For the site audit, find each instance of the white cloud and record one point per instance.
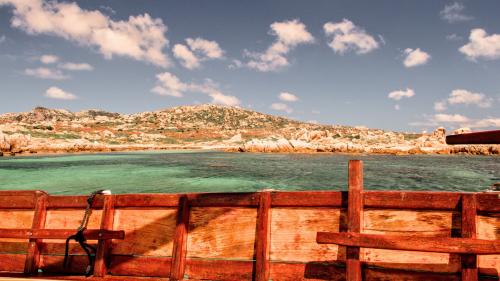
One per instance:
(453, 13)
(397, 95)
(168, 84)
(454, 37)
(345, 37)
(49, 59)
(285, 96)
(196, 51)
(289, 35)
(486, 123)
(46, 73)
(461, 96)
(481, 45)
(57, 93)
(140, 37)
(281, 107)
(415, 57)
(450, 118)
(440, 105)
(2, 39)
(76, 66)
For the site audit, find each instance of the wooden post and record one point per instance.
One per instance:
(104, 246)
(261, 272)
(180, 240)
(33, 256)
(469, 261)
(354, 217)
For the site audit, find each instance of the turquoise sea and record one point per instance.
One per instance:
(211, 171)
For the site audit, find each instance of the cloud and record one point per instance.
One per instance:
(397, 107)
(397, 95)
(289, 34)
(450, 118)
(196, 51)
(2, 39)
(76, 66)
(440, 105)
(140, 37)
(454, 37)
(281, 107)
(461, 96)
(415, 57)
(56, 93)
(485, 123)
(481, 45)
(285, 96)
(45, 73)
(345, 37)
(168, 84)
(49, 59)
(453, 13)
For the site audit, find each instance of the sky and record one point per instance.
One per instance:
(395, 65)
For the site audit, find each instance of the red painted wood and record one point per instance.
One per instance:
(33, 255)
(73, 202)
(488, 202)
(140, 266)
(261, 272)
(412, 243)
(103, 246)
(417, 200)
(282, 271)
(223, 199)
(354, 217)
(308, 198)
(180, 240)
(485, 137)
(469, 261)
(221, 270)
(24, 200)
(12, 262)
(147, 200)
(90, 234)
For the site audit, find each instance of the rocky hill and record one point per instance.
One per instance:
(44, 130)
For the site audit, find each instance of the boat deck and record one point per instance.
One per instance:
(268, 235)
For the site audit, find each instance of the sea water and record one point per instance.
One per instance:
(212, 171)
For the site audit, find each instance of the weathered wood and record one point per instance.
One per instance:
(222, 232)
(221, 270)
(412, 243)
(469, 261)
(33, 256)
(261, 272)
(282, 271)
(180, 240)
(90, 234)
(17, 201)
(146, 200)
(485, 137)
(418, 200)
(140, 266)
(488, 202)
(354, 218)
(293, 232)
(12, 262)
(103, 247)
(308, 199)
(73, 202)
(224, 199)
(488, 227)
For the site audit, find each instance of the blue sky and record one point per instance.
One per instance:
(399, 65)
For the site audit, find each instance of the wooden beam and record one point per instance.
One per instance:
(354, 218)
(485, 137)
(308, 198)
(469, 261)
(146, 200)
(179, 249)
(412, 243)
(244, 199)
(33, 255)
(103, 246)
(73, 202)
(488, 201)
(415, 200)
(90, 234)
(21, 201)
(262, 242)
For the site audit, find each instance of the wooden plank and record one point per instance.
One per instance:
(146, 200)
(488, 227)
(412, 243)
(12, 219)
(293, 232)
(103, 247)
(354, 218)
(311, 271)
(308, 198)
(484, 137)
(12, 262)
(148, 232)
(73, 202)
(140, 266)
(261, 272)
(221, 270)
(90, 234)
(488, 201)
(17, 201)
(405, 275)
(212, 232)
(223, 199)
(469, 261)
(178, 266)
(33, 255)
(418, 200)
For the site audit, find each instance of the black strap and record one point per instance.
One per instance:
(80, 237)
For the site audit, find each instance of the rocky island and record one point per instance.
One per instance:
(44, 130)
